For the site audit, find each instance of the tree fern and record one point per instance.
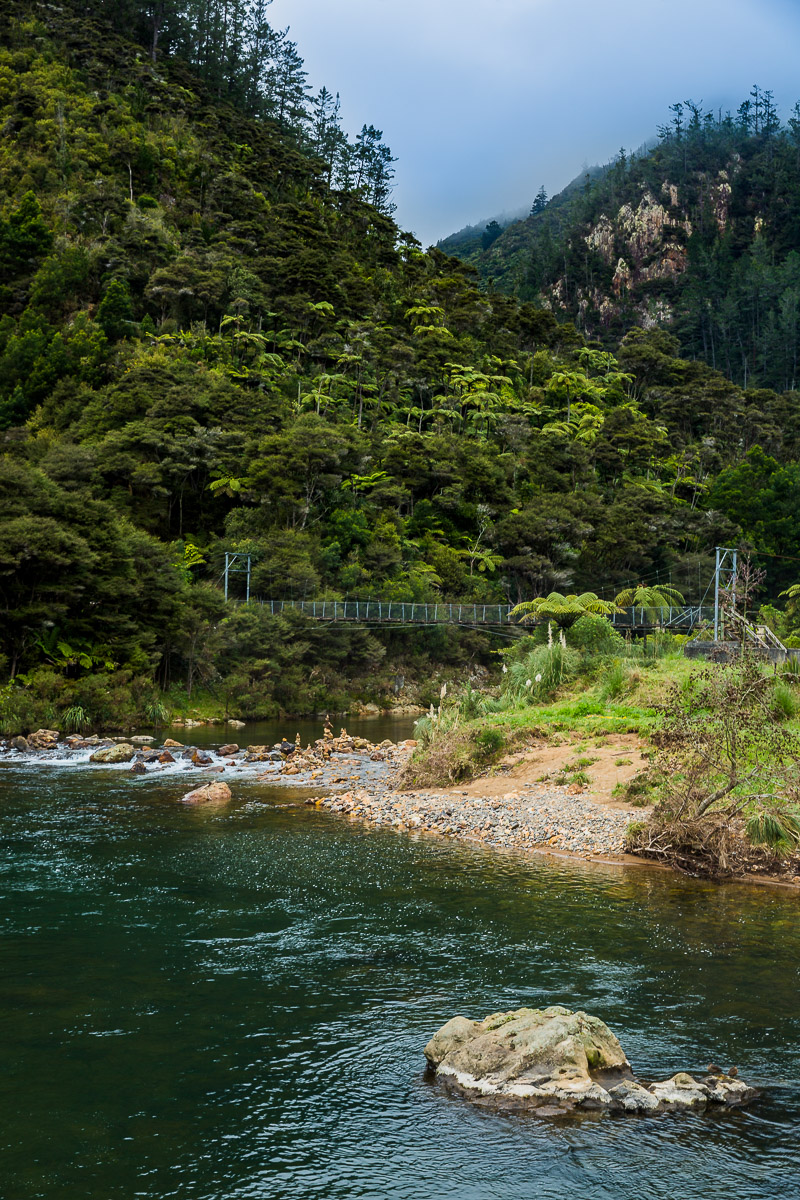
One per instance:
(564, 610)
(657, 597)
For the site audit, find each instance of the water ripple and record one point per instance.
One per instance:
(234, 1005)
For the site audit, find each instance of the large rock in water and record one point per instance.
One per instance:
(43, 739)
(557, 1059)
(210, 793)
(122, 752)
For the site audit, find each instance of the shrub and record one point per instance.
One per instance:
(614, 681)
(778, 829)
(74, 719)
(488, 744)
(595, 635)
(540, 672)
(784, 702)
(727, 774)
(156, 712)
(472, 703)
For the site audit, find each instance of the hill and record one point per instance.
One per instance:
(472, 243)
(207, 345)
(698, 235)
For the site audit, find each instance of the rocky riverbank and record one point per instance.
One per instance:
(528, 817)
(329, 761)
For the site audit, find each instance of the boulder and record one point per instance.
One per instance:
(165, 757)
(138, 768)
(21, 744)
(681, 1091)
(722, 1089)
(119, 753)
(236, 724)
(201, 759)
(632, 1097)
(43, 739)
(230, 748)
(171, 744)
(210, 793)
(556, 1059)
(142, 739)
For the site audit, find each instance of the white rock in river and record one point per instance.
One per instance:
(553, 1057)
(681, 1091)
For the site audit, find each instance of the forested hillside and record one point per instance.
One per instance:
(213, 338)
(699, 235)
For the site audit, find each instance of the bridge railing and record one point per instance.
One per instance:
(687, 616)
(403, 612)
(400, 611)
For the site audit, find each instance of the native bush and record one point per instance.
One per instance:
(595, 635)
(725, 772)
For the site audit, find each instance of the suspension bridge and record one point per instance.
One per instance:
(393, 612)
(721, 618)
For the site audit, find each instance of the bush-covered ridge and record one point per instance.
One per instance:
(203, 346)
(698, 234)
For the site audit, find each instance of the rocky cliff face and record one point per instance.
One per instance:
(641, 245)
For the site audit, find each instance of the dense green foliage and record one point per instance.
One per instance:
(706, 225)
(243, 60)
(205, 346)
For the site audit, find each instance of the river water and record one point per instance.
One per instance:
(232, 1004)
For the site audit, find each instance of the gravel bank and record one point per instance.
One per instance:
(537, 815)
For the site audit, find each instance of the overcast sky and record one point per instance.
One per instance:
(482, 101)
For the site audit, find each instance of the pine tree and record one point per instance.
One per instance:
(373, 171)
(286, 90)
(326, 137)
(540, 202)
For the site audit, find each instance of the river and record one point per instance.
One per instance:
(232, 1004)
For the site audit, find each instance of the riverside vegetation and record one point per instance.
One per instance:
(215, 337)
(720, 787)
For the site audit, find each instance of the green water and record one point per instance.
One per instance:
(229, 1005)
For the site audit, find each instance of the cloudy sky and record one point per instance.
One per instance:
(482, 101)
